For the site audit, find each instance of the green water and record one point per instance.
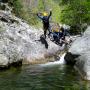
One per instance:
(57, 77)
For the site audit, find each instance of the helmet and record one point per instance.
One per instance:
(45, 14)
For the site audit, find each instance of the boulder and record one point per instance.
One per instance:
(81, 48)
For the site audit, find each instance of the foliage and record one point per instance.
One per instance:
(21, 11)
(75, 13)
(29, 11)
(17, 6)
(41, 5)
(50, 4)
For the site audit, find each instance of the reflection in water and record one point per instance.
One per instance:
(56, 77)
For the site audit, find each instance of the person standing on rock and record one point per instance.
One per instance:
(45, 19)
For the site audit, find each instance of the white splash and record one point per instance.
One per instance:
(61, 61)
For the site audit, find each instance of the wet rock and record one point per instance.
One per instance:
(70, 58)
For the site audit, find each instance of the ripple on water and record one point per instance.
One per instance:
(36, 77)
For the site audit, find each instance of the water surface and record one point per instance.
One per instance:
(36, 77)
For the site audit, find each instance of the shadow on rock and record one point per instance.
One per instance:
(14, 64)
(70, 58)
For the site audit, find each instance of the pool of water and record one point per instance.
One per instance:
(36, 77)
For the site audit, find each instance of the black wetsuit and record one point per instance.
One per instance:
(45, 20)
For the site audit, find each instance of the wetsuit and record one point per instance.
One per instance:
(45, 20)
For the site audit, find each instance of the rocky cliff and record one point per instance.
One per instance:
(21, 42)
(79, 54)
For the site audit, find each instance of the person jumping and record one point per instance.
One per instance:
(45, 19)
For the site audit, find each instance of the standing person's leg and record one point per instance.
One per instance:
(45, 28)
(45, 31)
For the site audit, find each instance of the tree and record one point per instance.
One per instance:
(75, 13)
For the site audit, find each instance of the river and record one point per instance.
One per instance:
(41, 77)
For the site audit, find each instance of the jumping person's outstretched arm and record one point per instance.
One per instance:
(41, 17)
(50, 14)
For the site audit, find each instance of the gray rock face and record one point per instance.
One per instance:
(19, 41)
(3, 60)
(81, 47)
